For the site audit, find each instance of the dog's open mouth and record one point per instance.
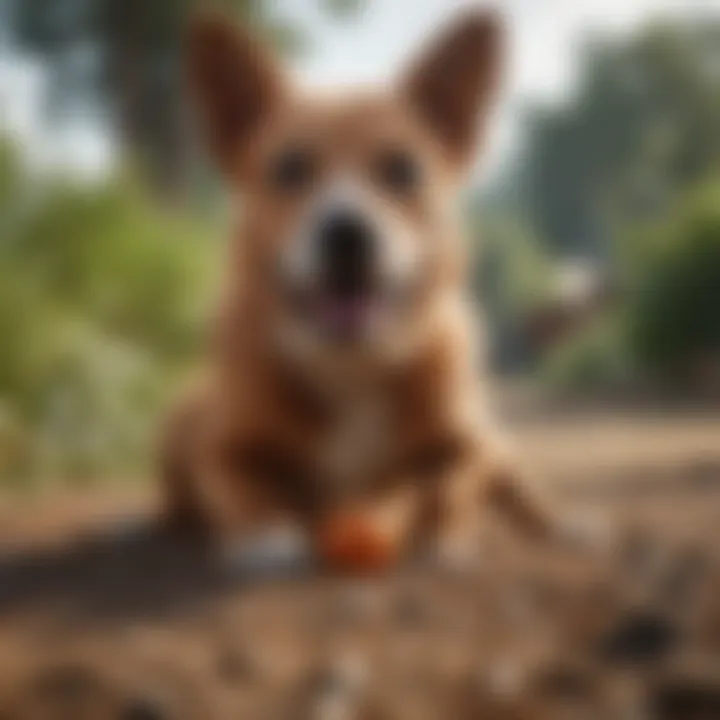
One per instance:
(343, 317)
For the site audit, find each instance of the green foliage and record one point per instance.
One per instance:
(343, 9)
(612, 174)
(664, 325)
(123, 59)
(675, 293)
(595, 358)
(101, 295)
(643, 124)
(513, 276)
(515, 272)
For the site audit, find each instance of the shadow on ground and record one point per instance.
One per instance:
(139, 569)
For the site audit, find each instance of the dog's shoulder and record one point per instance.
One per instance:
(446, 363)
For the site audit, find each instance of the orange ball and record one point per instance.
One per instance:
(349, 542)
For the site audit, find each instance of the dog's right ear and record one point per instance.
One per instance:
(235, 83)
(453, 83)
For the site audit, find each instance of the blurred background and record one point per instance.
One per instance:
(596, 204)
(595, 213)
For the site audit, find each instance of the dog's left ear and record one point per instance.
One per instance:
(453, 83)
(235, 83)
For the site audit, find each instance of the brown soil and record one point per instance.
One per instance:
(100, 619)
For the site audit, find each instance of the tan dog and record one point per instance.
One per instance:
(343, 389)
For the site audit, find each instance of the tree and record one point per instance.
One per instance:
(643, 124)
(512, 276)
(101, 294)
(674, 290)
(124, 56)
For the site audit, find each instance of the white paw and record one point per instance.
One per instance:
(585, 532)
(456, 554)
(272, 552)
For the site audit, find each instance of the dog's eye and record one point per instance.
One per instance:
(398, 170)
(292, 170)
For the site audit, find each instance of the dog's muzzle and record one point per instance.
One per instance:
(347, 255)
(345, 272)
(346, 296)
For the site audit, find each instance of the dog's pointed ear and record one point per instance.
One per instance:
(453, 83)
(235, 83)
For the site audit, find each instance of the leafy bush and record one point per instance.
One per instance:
(664, 326)
(101, 294)
(513, 276)
(674, 322)
(596, 357)
(514, 270)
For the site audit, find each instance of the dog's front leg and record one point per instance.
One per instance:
(473, 477)
(509, 491)
(255, 527)
(511, 494)
(446, 527)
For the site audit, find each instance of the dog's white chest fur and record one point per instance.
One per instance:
(357, 444)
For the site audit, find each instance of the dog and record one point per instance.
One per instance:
(344, 391)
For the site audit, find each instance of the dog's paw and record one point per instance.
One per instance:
(270, 553)
(584, 533)
(456, 554)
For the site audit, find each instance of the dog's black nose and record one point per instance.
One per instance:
(347, 249)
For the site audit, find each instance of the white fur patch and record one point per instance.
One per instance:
(274, 551)
(397, 247)
(359, 441)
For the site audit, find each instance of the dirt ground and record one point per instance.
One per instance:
(103, 619)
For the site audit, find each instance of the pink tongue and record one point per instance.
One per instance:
(342, 315)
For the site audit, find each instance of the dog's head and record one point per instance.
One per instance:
(347, 203)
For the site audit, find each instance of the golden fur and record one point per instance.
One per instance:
(288, 428)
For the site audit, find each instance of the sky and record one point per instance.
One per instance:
(544, 37)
